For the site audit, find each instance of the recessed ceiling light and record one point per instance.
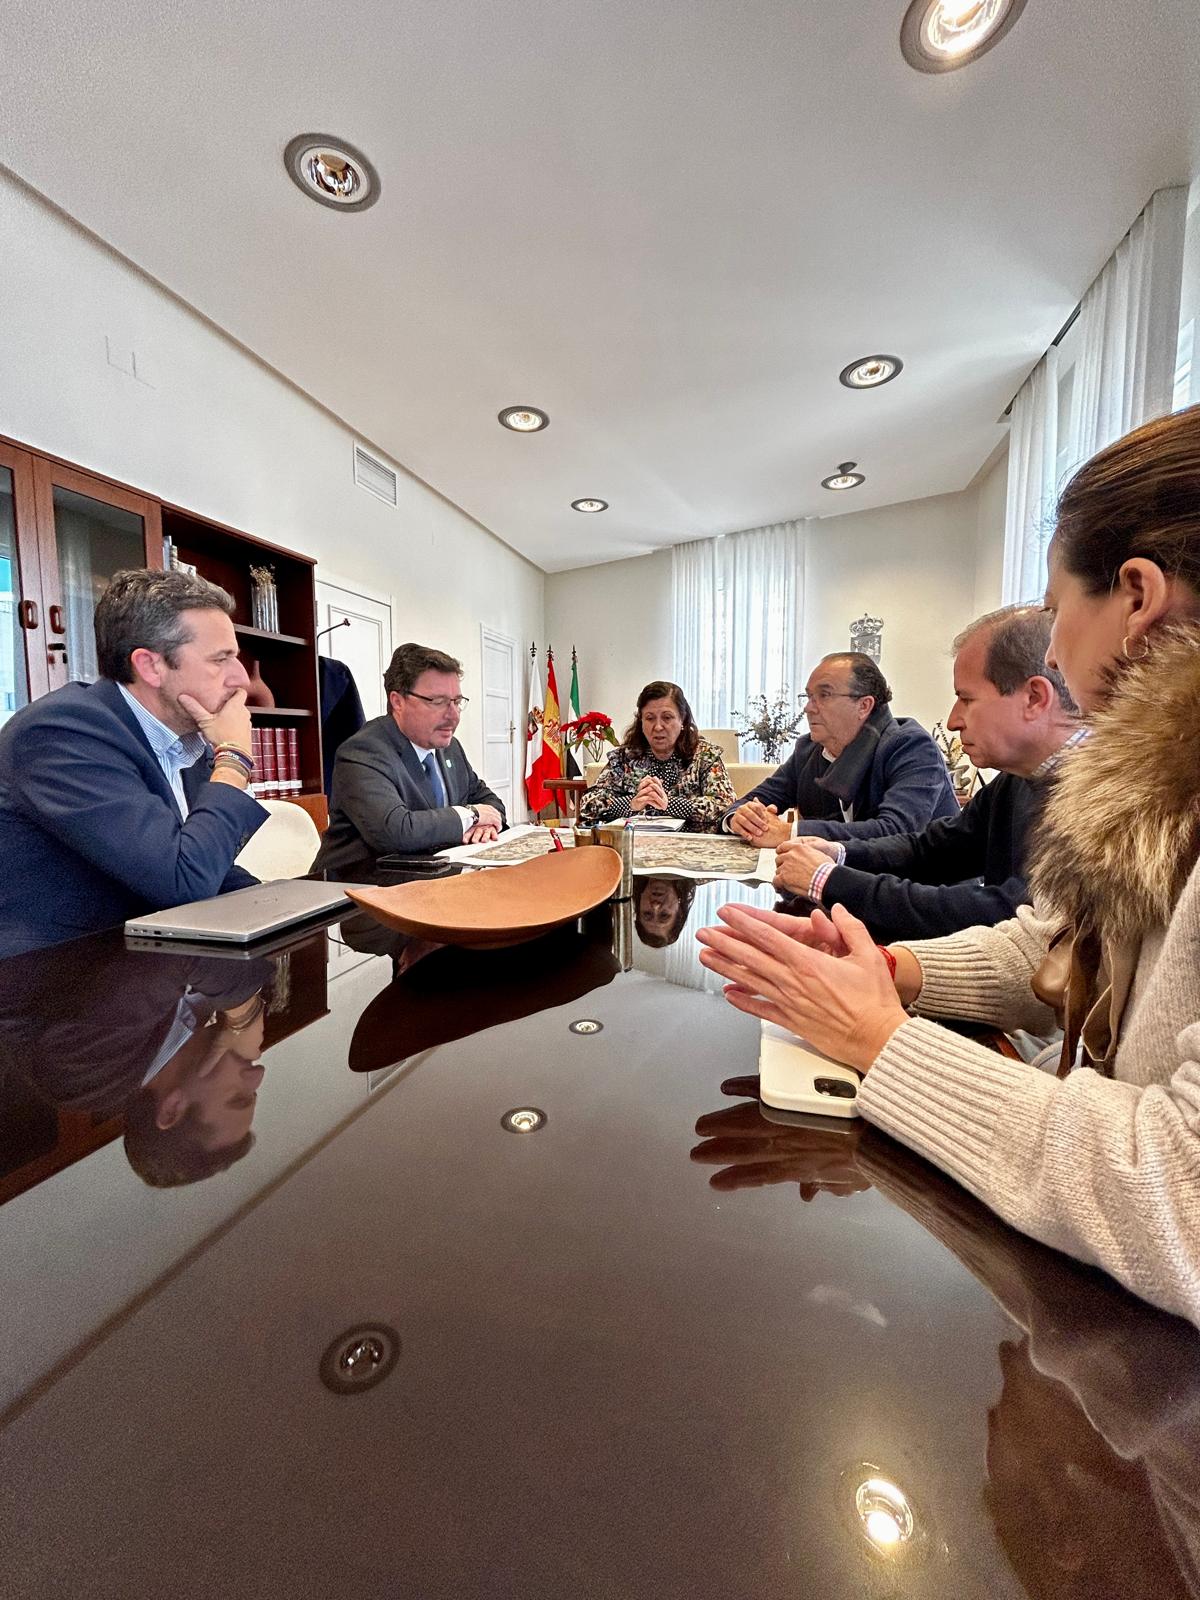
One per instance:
(940, 35)
(331, 171)
(524, 419)
(589, 505)
(868, 372)
(844, 478)
(524, 1119)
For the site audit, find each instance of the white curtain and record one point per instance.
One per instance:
(737, 603)
(1124, 376)
(1032, 490)
(1125, 373)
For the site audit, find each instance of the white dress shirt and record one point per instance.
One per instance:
(174, 752)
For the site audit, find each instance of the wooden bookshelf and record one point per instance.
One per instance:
(287, 658)
(245, 631)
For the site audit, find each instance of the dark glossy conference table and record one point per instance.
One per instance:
(660, 1345)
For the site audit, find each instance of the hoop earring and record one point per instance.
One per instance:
(1125, 650)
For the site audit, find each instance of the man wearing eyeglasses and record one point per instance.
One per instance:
(402, 785)
(860, 772)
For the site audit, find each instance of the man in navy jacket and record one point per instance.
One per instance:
(859, 773)
(111, 800)
(1012, 713)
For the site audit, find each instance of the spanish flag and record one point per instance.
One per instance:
(552, 725)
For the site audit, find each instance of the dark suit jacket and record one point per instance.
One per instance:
(341, 711)
(892, 775)
(383, 803)
(85, 1039)
(90, 830)
(965, 871)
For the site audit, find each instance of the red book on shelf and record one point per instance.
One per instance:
(280, 737)
(293, 761)
(270, 770)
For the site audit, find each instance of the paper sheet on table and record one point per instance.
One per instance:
(660, 855)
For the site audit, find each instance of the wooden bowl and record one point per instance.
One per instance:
(498, 905)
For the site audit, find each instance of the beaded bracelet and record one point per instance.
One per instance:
(242, 759)
(227, 748)
(228, 761)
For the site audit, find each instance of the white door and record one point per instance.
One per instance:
(500, 748)
(365, 644)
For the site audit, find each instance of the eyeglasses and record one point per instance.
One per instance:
(440, 701)
(824, 695)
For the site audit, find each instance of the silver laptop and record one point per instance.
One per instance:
(245, 914)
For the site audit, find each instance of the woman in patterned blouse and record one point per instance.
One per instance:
(663, 768)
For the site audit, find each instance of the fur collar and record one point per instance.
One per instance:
(1121, 829)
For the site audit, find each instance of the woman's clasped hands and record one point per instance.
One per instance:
(820, 977)
(650, 795)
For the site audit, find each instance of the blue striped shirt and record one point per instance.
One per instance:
(174, 752)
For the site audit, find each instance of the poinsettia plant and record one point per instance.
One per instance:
(590, 733)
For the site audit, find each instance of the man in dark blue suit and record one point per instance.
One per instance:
(130, 794)
(859, 773)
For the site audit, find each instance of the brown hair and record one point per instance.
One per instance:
(1018, 638)
(140, 610)
(167, 1158)
(689, 739)
(409, 661)
(686, 893)
(1138, 497)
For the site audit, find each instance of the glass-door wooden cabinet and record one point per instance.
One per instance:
(63, 533)
(23, 665)
(87, 530)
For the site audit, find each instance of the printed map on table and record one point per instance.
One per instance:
(693, 855)
(695, 852)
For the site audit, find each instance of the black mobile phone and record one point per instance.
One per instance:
(416, 866)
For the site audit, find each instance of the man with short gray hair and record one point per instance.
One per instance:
(1013, 713)
(130, 794)
(402, 785)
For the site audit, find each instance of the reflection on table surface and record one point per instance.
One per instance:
(665, 1343)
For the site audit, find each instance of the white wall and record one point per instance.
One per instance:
(914, 566)
(925, 567)
(618, 617)
(216, 431)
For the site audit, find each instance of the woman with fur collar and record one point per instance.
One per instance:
(1102, 1160)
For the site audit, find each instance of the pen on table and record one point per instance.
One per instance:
(558, 844)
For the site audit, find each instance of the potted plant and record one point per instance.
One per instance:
(770, 725)
(964, 776)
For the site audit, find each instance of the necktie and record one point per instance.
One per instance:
(435, 779)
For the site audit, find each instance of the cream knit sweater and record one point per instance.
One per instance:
(1107, 1169)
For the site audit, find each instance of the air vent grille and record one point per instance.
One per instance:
(371, 474)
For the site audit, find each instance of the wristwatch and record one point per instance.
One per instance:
(474, 810)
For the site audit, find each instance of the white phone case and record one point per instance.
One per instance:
(794, 1076)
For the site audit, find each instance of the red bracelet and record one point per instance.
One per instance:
(889, 958)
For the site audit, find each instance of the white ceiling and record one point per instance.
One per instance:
(670, 225)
